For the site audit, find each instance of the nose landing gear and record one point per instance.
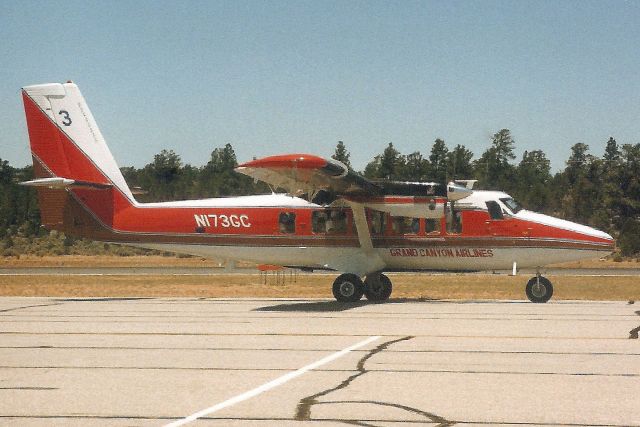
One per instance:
(539, 289)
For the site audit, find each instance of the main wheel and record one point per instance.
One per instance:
(377, 287)
(348, 288)
(539, 289)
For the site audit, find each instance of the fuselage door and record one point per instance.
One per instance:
(497, 224)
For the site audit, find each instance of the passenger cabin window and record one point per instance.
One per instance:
(319, 222)
(495, 211)
(405, 225)
(337, 222)
(329, 221)
(432, 226)
(287, 222)
(378, 222)
(454, 219)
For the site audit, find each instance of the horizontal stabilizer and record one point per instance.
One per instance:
(60, 183)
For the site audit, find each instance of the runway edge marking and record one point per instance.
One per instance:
(271, 384)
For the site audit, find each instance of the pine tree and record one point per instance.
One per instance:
(582, 190)
(341, 154)
(160, 177)
(416, 167)
(439, 161)
(218, 177)
(533, 177)
(611, 151)
(493, 168)
(391, 163)
(460, 163)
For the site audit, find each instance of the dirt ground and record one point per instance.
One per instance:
(302, 285)
(463, 286)
(32, 261)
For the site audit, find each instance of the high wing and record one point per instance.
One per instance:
(307, 174)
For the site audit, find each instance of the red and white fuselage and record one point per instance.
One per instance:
(363, 231)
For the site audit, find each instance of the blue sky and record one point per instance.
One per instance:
(275, 77)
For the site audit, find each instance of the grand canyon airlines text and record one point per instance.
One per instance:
(330, 218)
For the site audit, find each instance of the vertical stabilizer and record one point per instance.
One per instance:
(65, 139)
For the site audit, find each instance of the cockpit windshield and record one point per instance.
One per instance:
(512, 204)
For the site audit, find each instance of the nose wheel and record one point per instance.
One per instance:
(539, 289)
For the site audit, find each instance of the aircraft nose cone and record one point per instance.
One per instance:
(594, 232)
(591, 234)
(612, 241)
(578, 231)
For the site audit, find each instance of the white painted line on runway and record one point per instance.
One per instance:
(271, 384)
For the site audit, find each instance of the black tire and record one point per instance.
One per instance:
(348, 288)
(539, 293)
(377, 287)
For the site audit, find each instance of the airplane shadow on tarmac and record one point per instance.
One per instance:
(328, 306)
(101, 299)
(336, 306)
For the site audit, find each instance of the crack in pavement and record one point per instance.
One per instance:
(303, 410)
(431, 417)
(5, 310)
(633, 334)
(29, 388)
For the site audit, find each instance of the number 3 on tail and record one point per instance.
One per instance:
(66, 120)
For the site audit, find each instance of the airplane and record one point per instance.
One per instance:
(328, 218)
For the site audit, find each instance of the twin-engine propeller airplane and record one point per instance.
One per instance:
(330, 218)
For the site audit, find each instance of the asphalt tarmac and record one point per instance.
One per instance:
(260, 362)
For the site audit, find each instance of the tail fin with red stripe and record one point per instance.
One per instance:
(65, 139)
(70, 157)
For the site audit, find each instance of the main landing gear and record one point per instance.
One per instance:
(350, 288)
(539, 289)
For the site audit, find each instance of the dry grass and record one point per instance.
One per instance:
(600, 263)
(89, 261)
(469, 286)
(99, 261)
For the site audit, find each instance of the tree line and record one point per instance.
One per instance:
(601, 191)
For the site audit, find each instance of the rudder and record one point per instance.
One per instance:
(65, 139)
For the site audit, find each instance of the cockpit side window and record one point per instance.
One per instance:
(512, 204)
(495, 211)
